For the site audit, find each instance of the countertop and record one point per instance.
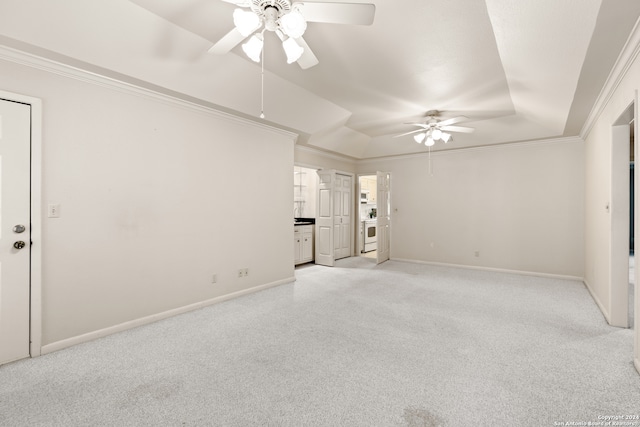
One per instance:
(304, 221)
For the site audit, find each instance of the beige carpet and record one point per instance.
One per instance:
(398, 344)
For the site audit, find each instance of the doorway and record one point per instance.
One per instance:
(367, 215)
(621, 312)
(632, 209)
(374, 214)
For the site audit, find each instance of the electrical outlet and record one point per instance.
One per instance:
(246, 272)
(240, 273)
(477, 254)
(214, 278)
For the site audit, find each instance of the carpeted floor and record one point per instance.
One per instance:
(398, 344)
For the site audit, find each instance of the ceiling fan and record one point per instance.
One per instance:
(289, 21)
(432, 129)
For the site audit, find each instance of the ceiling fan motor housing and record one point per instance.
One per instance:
(260, 6)
(270, 11)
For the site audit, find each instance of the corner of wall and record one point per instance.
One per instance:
(602, 307)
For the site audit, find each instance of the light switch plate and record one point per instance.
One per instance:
(54, 210)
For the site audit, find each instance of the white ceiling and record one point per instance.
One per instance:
(519, 70)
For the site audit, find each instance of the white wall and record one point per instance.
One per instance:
(155, 197)
(519, 206)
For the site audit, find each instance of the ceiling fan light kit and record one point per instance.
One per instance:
(277, 16)
(253, 48)
(432, 137)
(293, 24)
(433, 130)
(293, 50)
(246, 21)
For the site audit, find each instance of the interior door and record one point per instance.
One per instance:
(15, 229)
(342, 216)
(383, 224)
(324, 220)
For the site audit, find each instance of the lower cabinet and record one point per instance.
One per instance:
(303, 243)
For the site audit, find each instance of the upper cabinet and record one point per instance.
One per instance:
(304, 192)
(369, 184)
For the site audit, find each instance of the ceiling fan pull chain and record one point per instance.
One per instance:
(262, 86)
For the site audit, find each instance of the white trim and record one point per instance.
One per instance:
(498, 270)
(603, 309)
(618, 218)
(626, 58)
(538, 142)
(35, 332)
(636, 231)
(90, 336)
(306, 165)
(328, 155)
(68, 71)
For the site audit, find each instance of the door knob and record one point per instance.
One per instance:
(19, 228)
(19, 244)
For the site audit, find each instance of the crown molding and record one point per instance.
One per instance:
(628, 54)
(157, 94)
(530, 143)
(327, 154)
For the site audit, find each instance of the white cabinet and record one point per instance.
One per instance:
(303, 243)
(368, 184)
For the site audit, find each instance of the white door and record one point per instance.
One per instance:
(15, 229)
(324, 220)
(334, 220)
(342, 216)
(383, 224)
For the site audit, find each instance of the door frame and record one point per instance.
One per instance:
(384, 242)
(620, 218)
(35, 273)
(358, 227)
(632, 112)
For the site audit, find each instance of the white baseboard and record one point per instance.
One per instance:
(59, 345)
(499, 270)
(603, 309)
(601, 306)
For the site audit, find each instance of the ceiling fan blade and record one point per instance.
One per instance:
(422, 125)
(308, 58)
(228, 42)
(338, 13)
(456, 129)
(192, 16)
(409, 133)
(452, 121)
